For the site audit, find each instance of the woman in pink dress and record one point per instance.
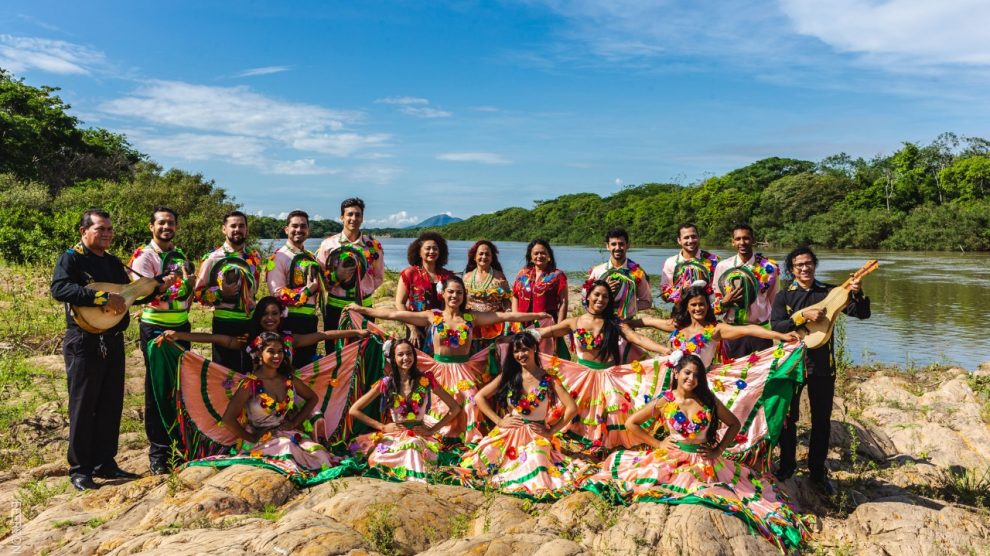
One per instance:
(404, 446)
(688, 466)
(521, 454)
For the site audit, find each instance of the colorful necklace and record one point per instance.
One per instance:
(453, 337)
(538, 287)
(410, 407)
(693, 344)
(526, 404)
(679, 422)
(268, 403)
(587, 341)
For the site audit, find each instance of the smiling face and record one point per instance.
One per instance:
(98, 235)
(483, 257)
(429, 251)
(698, 307)
(742, 240)
(297, 230)
(163, 228)
(272, 354)
(803, 268)
(405, 357)
(453, 294)
(598, 299)
(525, 356)
(617, 247)
(540, 257)
(235, 230)
(688, 377)
(352, 219)
(688, 239)
(271, 318)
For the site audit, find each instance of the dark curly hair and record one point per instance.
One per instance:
(415, 259)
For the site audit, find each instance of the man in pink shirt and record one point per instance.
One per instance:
(628, 281)
(344, 286)
(294, 277)
(690, 264)
(764, 276)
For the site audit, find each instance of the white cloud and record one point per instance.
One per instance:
(19, 54)
(486, 108)
(374, 174)
(202, 146)
(340, 144)
(399, 219)
(266, 70)
(618, 182)
(484, 158)
(426, 112)
(912, 31)
(402, 100)
(301, 167)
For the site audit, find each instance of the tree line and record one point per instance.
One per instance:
(921, 197)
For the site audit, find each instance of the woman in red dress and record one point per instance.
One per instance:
(540, 287)
(417, 287)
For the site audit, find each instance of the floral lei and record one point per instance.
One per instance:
(453, 337)
(269, 403)
(587, 341)
(765, 271)
(693, 344)
(372, 249)
(679, 422)
(526, 404)
(410, 407)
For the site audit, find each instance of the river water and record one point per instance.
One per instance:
(927, 307)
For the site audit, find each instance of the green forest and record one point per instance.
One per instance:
(921, 197)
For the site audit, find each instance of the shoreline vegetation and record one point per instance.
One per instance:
(911, 447)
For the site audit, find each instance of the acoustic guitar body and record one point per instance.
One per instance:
(95, 320)
(817, 333)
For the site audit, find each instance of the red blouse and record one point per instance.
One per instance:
(421, 292)
(540, 296)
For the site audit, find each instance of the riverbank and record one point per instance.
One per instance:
(910, 453)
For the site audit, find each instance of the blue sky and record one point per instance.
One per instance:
(468, 107)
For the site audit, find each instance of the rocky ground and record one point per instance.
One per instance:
(911, 453)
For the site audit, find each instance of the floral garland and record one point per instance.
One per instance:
(679, 422)
(584, 338)
(372, 249)
(179, 289)
(410, 407)
(672, 291)
(255, 346)
(528, 403)
(453, 337)
(267, 402)
(766, 271)
(693, 344)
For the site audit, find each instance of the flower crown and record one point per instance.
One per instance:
(586, 290)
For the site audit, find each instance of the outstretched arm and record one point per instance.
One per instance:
(484, 318)
(419, 318)
(222, 340)
(731, 332)
(562, 328)
(667, 325)
(303, 340)
(642, 341)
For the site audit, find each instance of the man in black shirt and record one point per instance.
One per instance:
(94, 363)
(790, 313)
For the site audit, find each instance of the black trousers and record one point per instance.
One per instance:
(159, 439)
(744, 346)
(234, 359)
(821, 389)
(302, 324)
(94, 367)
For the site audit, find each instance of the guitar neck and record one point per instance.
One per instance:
(867, 268)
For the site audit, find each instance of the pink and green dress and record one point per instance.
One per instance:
(521, 460)
(403, 455)
(681, 475)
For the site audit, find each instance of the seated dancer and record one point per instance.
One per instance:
(694, 330)
(599, 382)
(269, 316)
(450, 330)
(541, 287)
(404, 447)
(418, 287)
(692, 264)
(629, 283)
(521, 455)
(266, 417)
(487, 289)
(745, 286)
(688, 466)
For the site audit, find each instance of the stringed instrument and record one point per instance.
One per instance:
(97, 321)
(816, 333)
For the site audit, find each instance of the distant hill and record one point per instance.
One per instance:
(434, 221)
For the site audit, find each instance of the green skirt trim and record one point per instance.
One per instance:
(451, 358)
(349, 466)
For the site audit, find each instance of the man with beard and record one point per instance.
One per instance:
(167, 311)
(790, 313)
(750, 286)
(343, 287)
(294, 277)
(689, 265)
(228, 281)
(627, 280)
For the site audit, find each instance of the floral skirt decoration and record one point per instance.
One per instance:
(292, 453)
(462, 377)
(518, 460)
(682, 476)
(402, 455)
